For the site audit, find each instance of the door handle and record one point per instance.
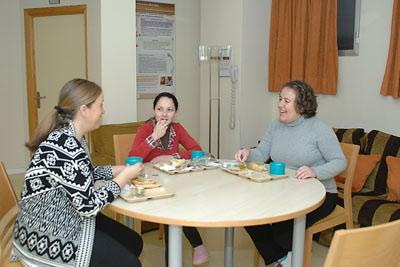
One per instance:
(38, 97)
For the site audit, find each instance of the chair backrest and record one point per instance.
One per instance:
(368, 246)
(8, 212)
(351, 152)
(122, 147)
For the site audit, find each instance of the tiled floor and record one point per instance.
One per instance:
(213, 238)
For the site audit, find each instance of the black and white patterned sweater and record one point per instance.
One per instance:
(56, 220)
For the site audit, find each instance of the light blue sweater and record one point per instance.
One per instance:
(308, 142)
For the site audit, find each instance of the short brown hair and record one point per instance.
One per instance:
(306, 100)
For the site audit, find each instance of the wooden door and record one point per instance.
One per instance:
(56, 51)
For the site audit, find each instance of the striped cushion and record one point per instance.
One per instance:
(373, 210)
(351, 136)
(384, 144)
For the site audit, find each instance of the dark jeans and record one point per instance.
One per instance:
(274, 241)
(115, 244)
(191, 233)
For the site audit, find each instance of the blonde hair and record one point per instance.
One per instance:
(73, 95)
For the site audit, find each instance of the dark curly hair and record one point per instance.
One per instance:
(305, 98)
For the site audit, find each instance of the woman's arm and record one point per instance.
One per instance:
(71, 169)
(186, 140)
(262, 152)
(144, 142)
(332, 153)
(117, 169)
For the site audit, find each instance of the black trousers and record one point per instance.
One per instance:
(115, 244)
(191, 233)
(274, 241)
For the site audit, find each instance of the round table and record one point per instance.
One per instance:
(215, 198)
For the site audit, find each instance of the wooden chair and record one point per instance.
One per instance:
(367, 247)
(8, 212)
(122, 147)
(340, 215)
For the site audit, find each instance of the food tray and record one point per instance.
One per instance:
(160, 166)
(255, 176)
(153, 193)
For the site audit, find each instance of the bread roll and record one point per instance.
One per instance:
(140, 181)
(255, 166)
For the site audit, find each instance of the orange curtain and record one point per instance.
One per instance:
(391, 80)
(303, 44)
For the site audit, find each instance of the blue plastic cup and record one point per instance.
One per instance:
(277, 168)
(133, 160)
(197, 154)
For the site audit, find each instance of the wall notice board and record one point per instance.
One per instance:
(155, 48)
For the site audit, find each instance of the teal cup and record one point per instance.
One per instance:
(133, 160)
(197, 154)
(277, 168)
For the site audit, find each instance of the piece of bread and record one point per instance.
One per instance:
(148, 186)
(255, 166)
(141, 181)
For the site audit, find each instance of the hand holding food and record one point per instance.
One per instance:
(242, 155)
(160, 129)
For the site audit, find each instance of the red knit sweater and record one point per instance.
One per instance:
(147, 148)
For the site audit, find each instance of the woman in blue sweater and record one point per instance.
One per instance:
(305, 144)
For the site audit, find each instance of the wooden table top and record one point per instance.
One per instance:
(215, 198)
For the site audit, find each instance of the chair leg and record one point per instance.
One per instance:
(160, 231)
(307, 249)
(137, 226)
(349, 223)
(119, 218)
(256, 257)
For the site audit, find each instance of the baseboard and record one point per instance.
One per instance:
(15, 171)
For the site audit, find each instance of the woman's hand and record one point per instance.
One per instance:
(161, 159)
(305, 172)
(129, 172)
(116, 169)
(160, 129)
(242, 155)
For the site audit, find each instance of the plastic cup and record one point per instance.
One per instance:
(196, 154)
(133, 160)
(277, 168)
(140, 190)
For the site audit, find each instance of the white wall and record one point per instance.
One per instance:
(13, 119)
(358, 102)
(221, 25)
(187, 15)
(118, 60)
(256, 103)
(241, 25)
(115, 72)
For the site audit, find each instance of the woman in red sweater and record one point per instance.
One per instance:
(158, 141)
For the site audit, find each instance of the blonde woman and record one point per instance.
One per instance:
(59, 221)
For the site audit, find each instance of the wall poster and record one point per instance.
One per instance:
(155, 48)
